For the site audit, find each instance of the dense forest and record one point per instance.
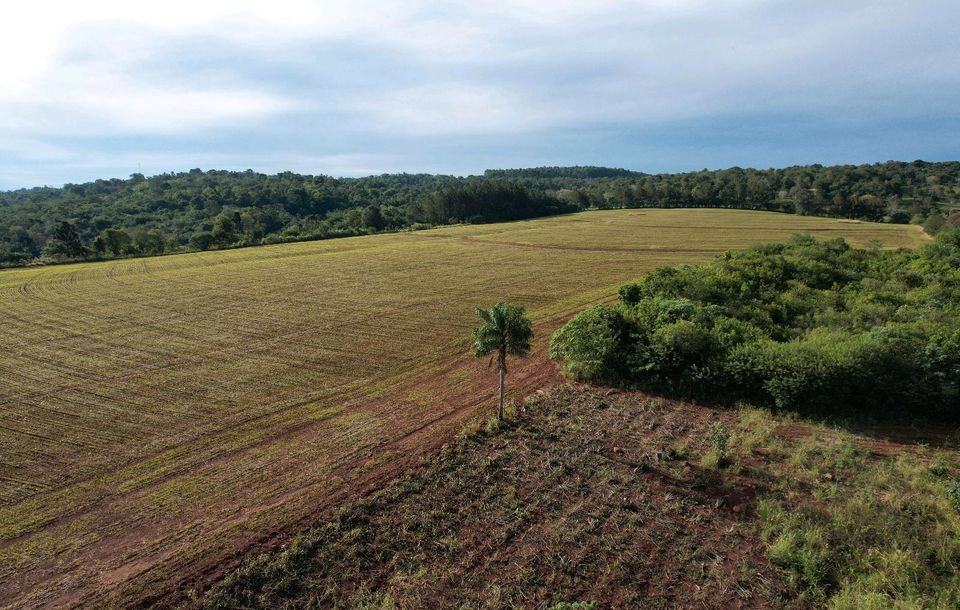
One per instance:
(916, 192)
(807, 325)
(199, 210)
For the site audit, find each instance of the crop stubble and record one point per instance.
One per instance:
(160, 417)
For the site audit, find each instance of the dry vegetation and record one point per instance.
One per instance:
(618, 500)
(160, 416)
(586, 496)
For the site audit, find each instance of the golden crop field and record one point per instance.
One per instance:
(160, 417)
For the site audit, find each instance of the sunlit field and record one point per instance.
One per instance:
(161, 417)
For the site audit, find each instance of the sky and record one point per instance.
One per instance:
(105, 88)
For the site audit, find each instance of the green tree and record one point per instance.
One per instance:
(66, 243)
(506, 331)
(225, 228)
(115, 241)
(372, 218)
(21, 241)
(934, 223)
(148, 242)
(202, 240)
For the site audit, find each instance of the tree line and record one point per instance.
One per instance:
(199, 210)
(917, 192)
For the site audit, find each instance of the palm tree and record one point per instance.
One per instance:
(505, 331)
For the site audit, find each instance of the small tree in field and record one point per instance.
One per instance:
(506, 330)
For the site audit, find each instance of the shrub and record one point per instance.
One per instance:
(718, 438)
(953, 492)
(590, 347)
(934, 223)
(806, 325)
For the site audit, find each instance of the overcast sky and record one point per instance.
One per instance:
(108, 88)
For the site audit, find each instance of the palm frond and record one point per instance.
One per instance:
(505, 328)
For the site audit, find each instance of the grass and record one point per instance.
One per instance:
(160, 415)
(856, 523)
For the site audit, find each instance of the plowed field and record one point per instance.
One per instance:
(160, 418)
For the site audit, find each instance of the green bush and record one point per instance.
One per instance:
(954, 493)
(718, 438)
(806, 325)
(591, 345)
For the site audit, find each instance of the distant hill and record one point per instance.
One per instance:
(577, 172)
(200, 210)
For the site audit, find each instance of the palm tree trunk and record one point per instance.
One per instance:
(501, 360)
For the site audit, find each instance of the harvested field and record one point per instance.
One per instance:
(587, 496)
(160, 418)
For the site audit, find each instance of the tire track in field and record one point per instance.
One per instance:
(264, 341)
(438, 428)
(425, 438)
(251, 464)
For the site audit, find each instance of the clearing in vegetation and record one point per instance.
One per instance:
(614, 499)
(161, 416)
(586, 496)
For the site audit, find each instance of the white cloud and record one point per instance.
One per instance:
(454, 108)
(655, 58)
(104, 69)
(86, 81)
(118, 108)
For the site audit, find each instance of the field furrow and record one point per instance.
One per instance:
(161, 417)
